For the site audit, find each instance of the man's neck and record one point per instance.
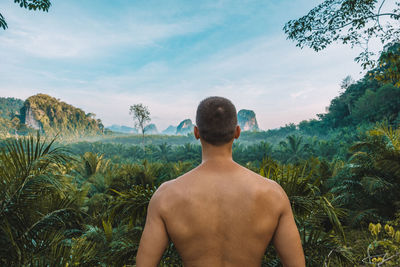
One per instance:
(212, 153)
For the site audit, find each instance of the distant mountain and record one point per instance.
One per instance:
(51, 116)
(171, 130)
(247, 120)
(151, 129)
(185, 127)
(122, 129)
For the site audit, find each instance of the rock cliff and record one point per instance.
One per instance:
(52, 116)
(247, 120)
(30, 120)
(185, 127)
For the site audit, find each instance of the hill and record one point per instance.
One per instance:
(185, 127)
(51, 116)
(247, 120)
(122, 129)
(171, 130)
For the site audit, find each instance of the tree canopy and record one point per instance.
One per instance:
(141, 115)
(354, 22)
(42, 5)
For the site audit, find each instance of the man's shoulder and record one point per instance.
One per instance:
(266, 188)
(263, 183)
(168, 190)
(165, 189)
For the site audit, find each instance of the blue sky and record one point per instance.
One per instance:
(104, 56)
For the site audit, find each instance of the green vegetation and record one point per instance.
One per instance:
(10, 107)
(9, 112)
(53, 116)
(387, 243)
(47, 114)
(76, 206)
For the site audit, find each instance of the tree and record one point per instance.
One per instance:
(373, 106)
(388, 67)
(163, 151)
(141, 116)
(38, 204)
(317, 215)
(346, 82)
(369, 185)
(353, 22)
(293, 149)
(42, 5)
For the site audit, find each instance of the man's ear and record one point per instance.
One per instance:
(196, 132)
(237, 132)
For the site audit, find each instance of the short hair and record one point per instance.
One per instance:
(216, 120)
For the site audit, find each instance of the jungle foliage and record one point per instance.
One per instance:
(79, 205)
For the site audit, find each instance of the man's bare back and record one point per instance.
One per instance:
(220, 213)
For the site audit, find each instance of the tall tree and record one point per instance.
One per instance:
(354, 22)
(42, 5)
(141, 116)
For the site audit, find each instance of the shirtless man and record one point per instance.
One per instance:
(220, 213)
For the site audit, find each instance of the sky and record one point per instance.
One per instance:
(103, 56)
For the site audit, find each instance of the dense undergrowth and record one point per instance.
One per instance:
(85, 204)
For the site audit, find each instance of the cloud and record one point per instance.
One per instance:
(281, 85)
(57, 35)
(103, 62)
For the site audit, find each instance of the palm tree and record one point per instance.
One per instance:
(38, 204)
(315, 213)
(163, 151)
(370, 184)
(293, 149)
(93, 163)
(180, 168)
(189, 152)
(146, 173)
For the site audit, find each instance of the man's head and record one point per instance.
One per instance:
(216, 121)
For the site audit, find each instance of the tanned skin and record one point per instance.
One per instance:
(220, 214)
